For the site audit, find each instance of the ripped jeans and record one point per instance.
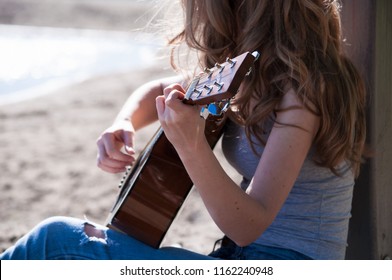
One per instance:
(63, 238)
(74, 239)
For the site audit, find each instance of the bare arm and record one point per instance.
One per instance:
(115, 144)
(140, 108)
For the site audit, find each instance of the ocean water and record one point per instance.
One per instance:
(37, 60)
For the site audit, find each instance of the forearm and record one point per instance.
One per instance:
(116, 143)
(230, 207)
(140, 108)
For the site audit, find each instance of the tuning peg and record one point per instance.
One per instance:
(208, 72)
(220, 67)
(198, 92)
(219, 85)
(231, 62)
(256, 55)
(208, 88)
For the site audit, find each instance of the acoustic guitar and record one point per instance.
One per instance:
(154, 189)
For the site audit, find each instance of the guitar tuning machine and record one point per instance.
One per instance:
(256, 55)
(231, 62)
(219, 85)
(208, 72)
(208, 88)
(198, 92)
(215, 109)
(220, 67)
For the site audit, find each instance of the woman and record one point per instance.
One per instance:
(296, 133)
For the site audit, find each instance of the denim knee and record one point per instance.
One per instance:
(44, 237)
(53, 225)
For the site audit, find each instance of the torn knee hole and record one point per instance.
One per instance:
(92, 231)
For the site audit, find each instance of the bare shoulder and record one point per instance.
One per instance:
(292, 111)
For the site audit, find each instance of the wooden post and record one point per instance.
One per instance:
(367, 25)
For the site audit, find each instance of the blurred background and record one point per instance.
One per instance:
(50, 43)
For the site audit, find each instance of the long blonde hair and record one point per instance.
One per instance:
(301, 44)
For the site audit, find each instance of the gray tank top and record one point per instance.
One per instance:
(314, 218)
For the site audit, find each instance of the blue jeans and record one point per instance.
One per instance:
(70, 239)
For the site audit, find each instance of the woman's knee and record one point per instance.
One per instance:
(47, 238)
(57, 224)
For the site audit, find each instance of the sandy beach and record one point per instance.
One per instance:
(48, 162)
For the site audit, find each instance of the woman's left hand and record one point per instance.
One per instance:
(181, 123)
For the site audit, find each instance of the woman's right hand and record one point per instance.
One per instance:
(115, 147)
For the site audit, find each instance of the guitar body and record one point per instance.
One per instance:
(154, 190)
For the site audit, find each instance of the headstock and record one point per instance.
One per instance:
(220, 83)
